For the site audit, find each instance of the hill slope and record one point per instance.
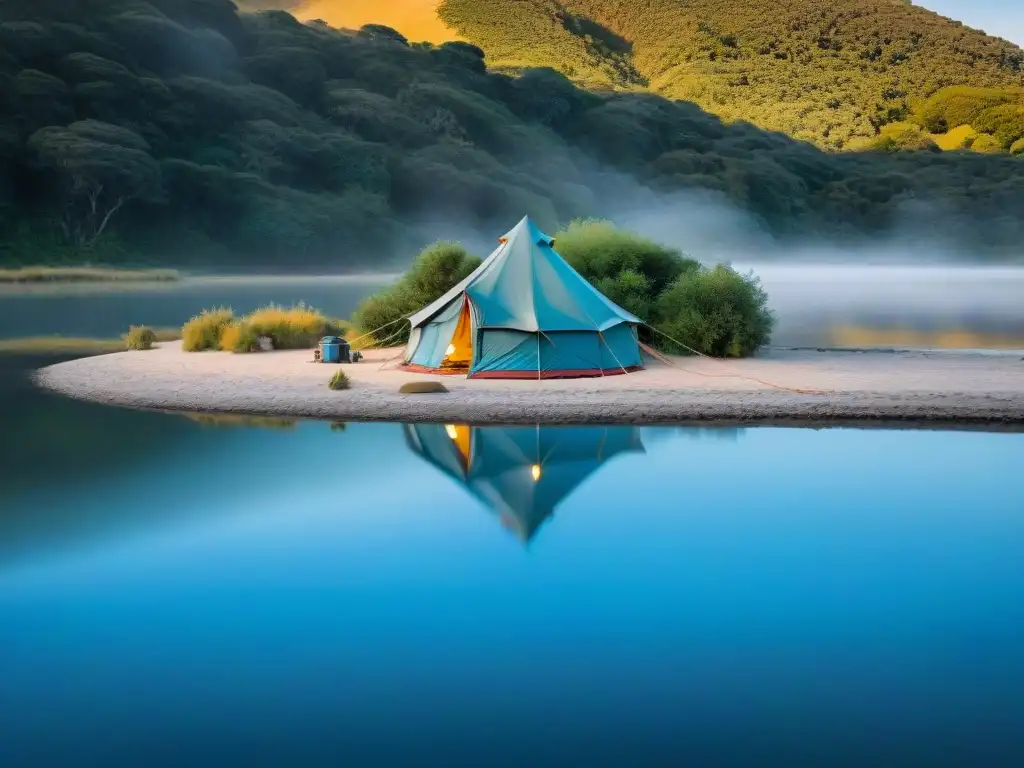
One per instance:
(825, 72)
(181, 132)
(830, 73)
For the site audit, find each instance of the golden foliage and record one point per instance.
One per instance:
(826, 73)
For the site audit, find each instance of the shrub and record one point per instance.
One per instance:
(239, 337)
(204, 330)
(901, 137)
(1005, 123)
(716, 312)
(339, 380)
(627, 268)
(960, 105)
(139, 337)
(987, 144)
(1017, 148)
(437, 269)
(298, 327)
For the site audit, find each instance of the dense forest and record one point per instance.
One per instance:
(826, 72)
(186, 133)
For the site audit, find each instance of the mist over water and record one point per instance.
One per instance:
(909, 289)
(913, 287)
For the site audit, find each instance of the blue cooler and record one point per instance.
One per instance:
(330, 349)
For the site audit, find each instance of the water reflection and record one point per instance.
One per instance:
(521, 473)
(824, 592)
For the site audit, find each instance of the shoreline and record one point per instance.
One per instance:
(44, 275)
(184, 282)
(908, 390)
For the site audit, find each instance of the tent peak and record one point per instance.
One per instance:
(528, 228)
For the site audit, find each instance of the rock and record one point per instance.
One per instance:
(266, 344)
(422, 388)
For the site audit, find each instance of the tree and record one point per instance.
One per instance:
(716, 312)
(382, 32)
(353, 141)
(602, 253)
(98, 168)
(438, 268)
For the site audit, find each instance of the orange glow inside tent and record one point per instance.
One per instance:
(459, 353)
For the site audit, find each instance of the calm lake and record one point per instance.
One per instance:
(177, 590)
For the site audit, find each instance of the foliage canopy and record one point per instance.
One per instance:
(185, 133)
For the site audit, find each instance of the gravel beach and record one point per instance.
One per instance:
(929, 389)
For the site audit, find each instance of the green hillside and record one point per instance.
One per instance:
(183, 133)
(823, 72)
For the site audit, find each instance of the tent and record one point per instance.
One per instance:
(522, 473)
(524, 313)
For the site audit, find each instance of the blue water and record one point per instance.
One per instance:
(318, 596)
(107, 311)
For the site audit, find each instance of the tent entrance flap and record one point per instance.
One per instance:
(459, 353)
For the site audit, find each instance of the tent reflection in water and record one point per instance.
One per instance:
(522, 473)
(524, 313)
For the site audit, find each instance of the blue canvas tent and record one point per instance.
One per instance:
(524, 313)
(522, 473)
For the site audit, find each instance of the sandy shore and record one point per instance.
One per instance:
(929, 389)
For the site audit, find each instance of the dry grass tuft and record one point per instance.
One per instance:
(339, 380)
(139, 337)
(298, 327)
(204, 330)
(239, 337)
